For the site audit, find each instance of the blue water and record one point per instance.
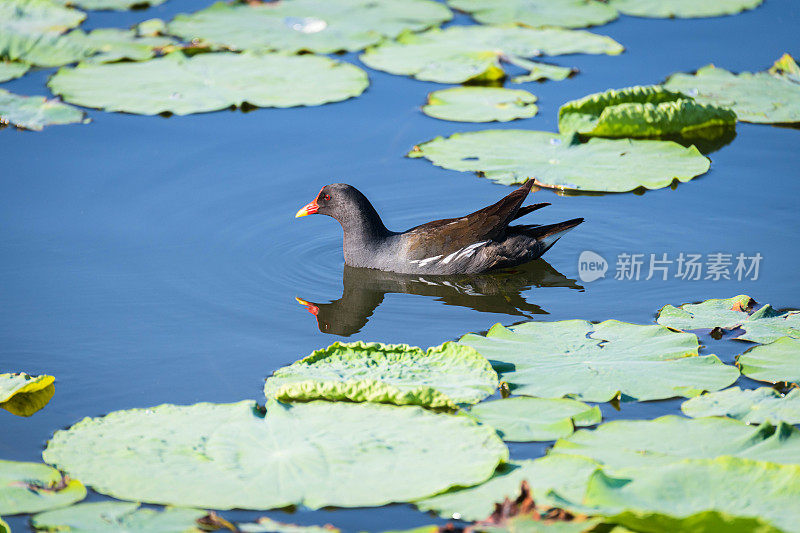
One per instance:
(146, 260)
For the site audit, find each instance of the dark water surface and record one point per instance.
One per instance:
(146, 260)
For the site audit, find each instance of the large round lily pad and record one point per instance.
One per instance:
(526, 419)
(439, 377)
(12, 69)
(113, 517)
(723, 495)
(535, 13)
(641, 111)
(316, 454)
(463, 53)
(480, 104)
(209, 82)
(34, 487)
(626, 443)
(562, 162)
(775, 362)
(755, 97)
(682, 8)
(565, 474)
(36, 112)
(750, 406)
(321, 26)
(599, 362)
(116, 5)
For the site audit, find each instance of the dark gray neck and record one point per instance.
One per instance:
(364, 234)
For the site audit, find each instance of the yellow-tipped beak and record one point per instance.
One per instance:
(310, 209)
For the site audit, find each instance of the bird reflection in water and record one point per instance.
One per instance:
(492, 292)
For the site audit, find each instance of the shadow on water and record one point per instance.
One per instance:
(496, 292)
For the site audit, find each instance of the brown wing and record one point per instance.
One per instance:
(443, 237)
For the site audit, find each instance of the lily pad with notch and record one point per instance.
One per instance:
(751, 406)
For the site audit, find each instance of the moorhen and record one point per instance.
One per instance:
(475, 243)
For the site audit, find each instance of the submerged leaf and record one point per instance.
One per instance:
(608, 165)
(441, 377)
(722, 495)
(683, 8)
(535, 419)
(598, 362)
(641, 111)
(760, 323)
(117, 5)
(755, 97)
(480, 104)
(749, 406)
(112, 517)
(34, 487)
(776, 362)
(36, 112)
(536, 13)
(464, 53)
(209, 82)
(316, 454)
(27, 404)
(565, 474)
(633, 443)
(12, 69)
(318, 26)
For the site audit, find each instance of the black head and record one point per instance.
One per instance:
(346, 204)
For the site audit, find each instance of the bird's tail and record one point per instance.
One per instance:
(549, 234)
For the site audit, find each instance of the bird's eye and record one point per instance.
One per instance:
(326, 197)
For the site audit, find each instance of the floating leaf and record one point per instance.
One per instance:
(4, 528)
(34, 487)
(763, 328)
(775, 362)
(464, 53)
(538, 71)
(608, 165)
(787, 67)
(598, 362)
(111, 44)
(117, 5)
(755, 97)
(723, 495)
(113, 517)
(565, 474)
(267, 525)
(441, 377)
(307, 25)
(535, 419)
(12, 69)
(749, 406)
(480, 104)
(535, 13)
(45, 50)
(32, 17)
(632, 443)
(316, 454)
(151, 28)
(36, 112)
(22, 383)
(641, 111)
(209, 82)
(682, 8)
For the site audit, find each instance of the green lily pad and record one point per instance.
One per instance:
(561, 162)
(267, 525)
(307, 25)
(633, 443)
(755, 97)
(440, 377)
(723, 495)
(5, 528)
(776, 362)
(760, 323)
(599, 362)
(749, 406)
(10, 70)
(787, 67)
(34, 487)
(641, 111)
(316, 454)
(113, 517)
(537, 13)
(682, 8)
(480, 104)
(32, 17)
(36, 112)
(209, 82)
(464, 53)
(111, 44)
(45, 50)
(116, 5)
(565, 474)
(151, 28)
(535, 419)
